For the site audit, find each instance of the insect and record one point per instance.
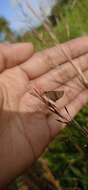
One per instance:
(54, 95)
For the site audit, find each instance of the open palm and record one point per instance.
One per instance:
(26, 125)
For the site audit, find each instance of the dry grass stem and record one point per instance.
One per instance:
(50, 105)
(45, 24)
(78, 70)
(55, 40)
(53, 37)
(74, 2)
(62, 119)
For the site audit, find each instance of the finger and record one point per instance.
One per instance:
(73, 108)
(14, 54)
(63, 73)
(71, 91)
(44, 61)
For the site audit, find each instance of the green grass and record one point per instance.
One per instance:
(68, 156)
(73, 24)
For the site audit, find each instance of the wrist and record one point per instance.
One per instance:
(15, 154)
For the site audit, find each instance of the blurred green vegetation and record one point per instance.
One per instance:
(5, 30)
(72, 23)
(68, 154)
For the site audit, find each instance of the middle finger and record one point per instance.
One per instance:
(61, 74)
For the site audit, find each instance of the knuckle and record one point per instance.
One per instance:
(31, 47)
(85, 37)
(47, 59)
(69, 50)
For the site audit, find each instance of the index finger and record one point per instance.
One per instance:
(42, 62)
(14, 54)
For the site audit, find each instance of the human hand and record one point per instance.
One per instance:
(26, 126)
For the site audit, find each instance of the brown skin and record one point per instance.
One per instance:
(26, 127)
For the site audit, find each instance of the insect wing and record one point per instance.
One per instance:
(54, 95)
